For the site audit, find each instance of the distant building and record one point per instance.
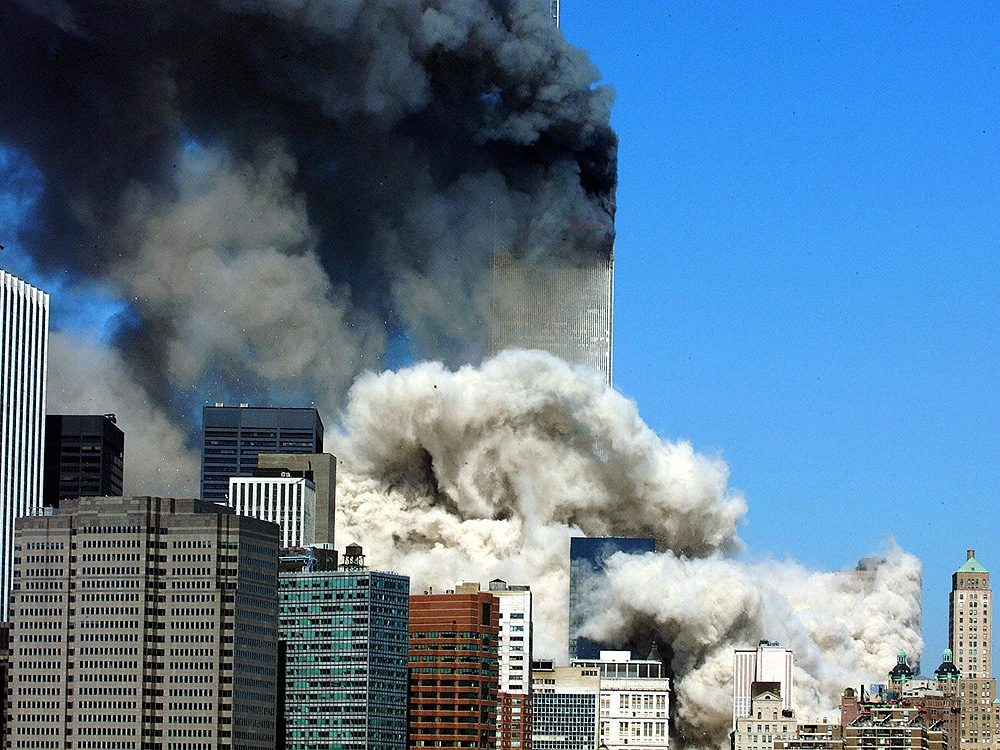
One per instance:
(766, 723)
(769, 665)
(345, 633)
(84, 457)
(234, 436)
(287, 501)
(566, 704)
(156, 623)
(515, 655)
(635, 700)
(588, 558)
(893, 726)
(454, 671)
(822, 736)
(321, 469)
(24, 340)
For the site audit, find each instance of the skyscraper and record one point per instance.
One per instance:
(769, 666)
(345, 633)
(24, 336)
(321, 468)
(565, 310)
(288, 501)
(587, 560)
(235, 435)
(143, 622)
(516, 643)
(84, 457)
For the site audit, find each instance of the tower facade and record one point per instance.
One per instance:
(143, 622)
(321, 469)
(515, 655)
(287, 501)
(769, 666)
(566, 703)
(24, 338)
(234, 436)
(84, 457)
(345, 635)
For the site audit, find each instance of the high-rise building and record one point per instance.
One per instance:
(84, 457)
(566, 701)
(234, 436)
(587, 562)
(321, 468)
(564, 310)
(515, 654)
(345, 633)
(454, 673)
(554, 11)
(970, 636)
(24, 337)
(285, 500)
(767, 666)
(635, 700)
(143, 623)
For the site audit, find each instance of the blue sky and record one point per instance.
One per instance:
(807, 264)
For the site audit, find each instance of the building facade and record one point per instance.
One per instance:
(287, 501)
(321, 469)
(84, 457)
(566, 707)
(345, 633)
(234, 437)
(768, 664)
(635, 700)
(143, 623)
(893, 726)
(587, 561)
(454, 670)
(515, 655)
(24, 338)
(768, 722)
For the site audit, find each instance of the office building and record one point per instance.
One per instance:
(515, 654)
(565, 701)
(767, 722)
(770, 665)
(234, 436)
(321, 469)
(635, 700)
(84, 457)
(345, 633)
(24, 336)
(454, 672)
(565, 310)
(146, 623)
(587, 562)
(285, 500)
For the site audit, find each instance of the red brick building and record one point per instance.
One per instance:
(454, 672)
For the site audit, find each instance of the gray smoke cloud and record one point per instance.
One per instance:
(277, 188)
(487, 472)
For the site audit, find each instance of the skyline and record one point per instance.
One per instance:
(806, 265)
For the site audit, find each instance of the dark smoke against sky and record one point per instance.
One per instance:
(343, 170)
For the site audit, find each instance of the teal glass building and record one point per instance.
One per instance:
(345, 634)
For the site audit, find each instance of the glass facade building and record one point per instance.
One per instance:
(345, 634)
(84, 457)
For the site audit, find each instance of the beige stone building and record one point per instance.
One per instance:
(142, 623)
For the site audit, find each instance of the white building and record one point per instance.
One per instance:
(24, 337)
(635, 700)
(285, 500)
(565, 700)
(769, 663)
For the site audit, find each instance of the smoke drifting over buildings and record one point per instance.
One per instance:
(277, 190)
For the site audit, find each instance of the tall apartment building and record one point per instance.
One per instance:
(345, 633)
(24, 337)
(970, 635)
(587, 562)
(893, 726)
(234, 436)
(454, 672)
(565, 310)
(285, 500)
(565, 701)
(635, 700)
(321, 469)
(84, 457)
(143, 623)
(769, 664)
(514, 720)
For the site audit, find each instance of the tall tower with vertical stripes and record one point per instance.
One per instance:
(24, 337)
